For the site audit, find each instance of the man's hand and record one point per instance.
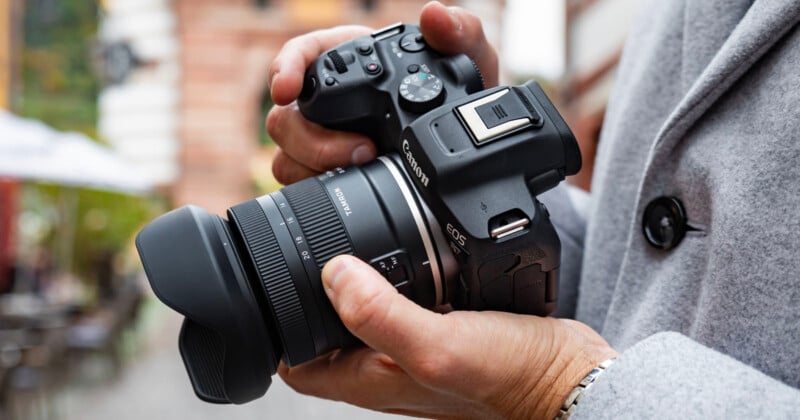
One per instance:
(458, 365)
(306, 148)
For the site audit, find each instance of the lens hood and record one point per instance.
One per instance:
(193, 266)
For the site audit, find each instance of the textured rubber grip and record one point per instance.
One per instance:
(338, 61)
(274, 275)
(318, 219)
(204, 353)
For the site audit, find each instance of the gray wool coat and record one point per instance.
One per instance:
(706, 108)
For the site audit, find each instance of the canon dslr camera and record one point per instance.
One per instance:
(448, 215)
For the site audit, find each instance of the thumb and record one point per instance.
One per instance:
(453, 30)
(375, 312)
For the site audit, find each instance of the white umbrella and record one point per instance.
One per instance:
(31, 150)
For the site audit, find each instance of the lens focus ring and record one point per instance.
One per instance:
(273, 272)
(318, 219)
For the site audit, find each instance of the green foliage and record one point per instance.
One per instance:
(95, 223)
(58, 85)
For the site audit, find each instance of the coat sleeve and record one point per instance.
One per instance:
(671, 376)
(571, 227)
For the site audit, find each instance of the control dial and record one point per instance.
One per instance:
(421, 92)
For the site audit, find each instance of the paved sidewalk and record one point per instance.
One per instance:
(154, 386)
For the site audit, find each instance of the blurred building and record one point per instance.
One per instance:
(190, 90)
(138, 58)
(5, 52)
(595, 34)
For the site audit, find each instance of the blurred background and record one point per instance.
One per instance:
(113, 112)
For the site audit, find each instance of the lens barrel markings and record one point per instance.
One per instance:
(318, 220)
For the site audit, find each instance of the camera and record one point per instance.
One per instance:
(447, 214)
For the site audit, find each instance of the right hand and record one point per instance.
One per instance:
(307, 149)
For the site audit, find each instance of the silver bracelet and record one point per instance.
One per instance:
(577, 393)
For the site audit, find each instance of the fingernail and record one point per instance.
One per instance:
(333, 270)
(454, 17)
(362, 154)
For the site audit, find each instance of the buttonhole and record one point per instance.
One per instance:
(696, 229)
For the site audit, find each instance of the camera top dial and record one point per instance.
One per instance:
(377, 84)
(421, 91)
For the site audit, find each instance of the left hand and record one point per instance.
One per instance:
(463, 364)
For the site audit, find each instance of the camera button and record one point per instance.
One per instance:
(338, 61)
(364, 49)
(412, 43)
(413, 68)
(330, 81)
(373, 68)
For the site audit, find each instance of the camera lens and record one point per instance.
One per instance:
(250, 286)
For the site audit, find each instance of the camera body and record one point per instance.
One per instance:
(448, 215)
(477, 158)
(376, 85)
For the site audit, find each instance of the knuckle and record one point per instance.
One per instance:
(433, 367)
(363, 309)
(297, 384)
(276, 123)
(296, 43)
(309, 387)
(324, 156)
(437, 362)
(280, 168)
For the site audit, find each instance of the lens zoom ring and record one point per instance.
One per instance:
(272, 270)
(317, 217)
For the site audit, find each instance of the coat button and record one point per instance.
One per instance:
(664, 222)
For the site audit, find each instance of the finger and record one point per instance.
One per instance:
(314, 146)
(288, 171)
(372, 380)
(287, 70)
(453, 30)
(387, 321)
(353, 371)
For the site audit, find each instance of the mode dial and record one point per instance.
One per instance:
(421, 92)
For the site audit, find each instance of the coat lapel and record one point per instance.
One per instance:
(763, 24)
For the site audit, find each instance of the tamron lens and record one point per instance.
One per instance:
(250, 286)
(470, 160)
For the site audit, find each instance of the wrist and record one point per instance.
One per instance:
(577, 353)
(577, 393)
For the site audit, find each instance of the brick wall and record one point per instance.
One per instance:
(226, 47)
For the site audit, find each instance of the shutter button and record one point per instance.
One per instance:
(664, 222)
